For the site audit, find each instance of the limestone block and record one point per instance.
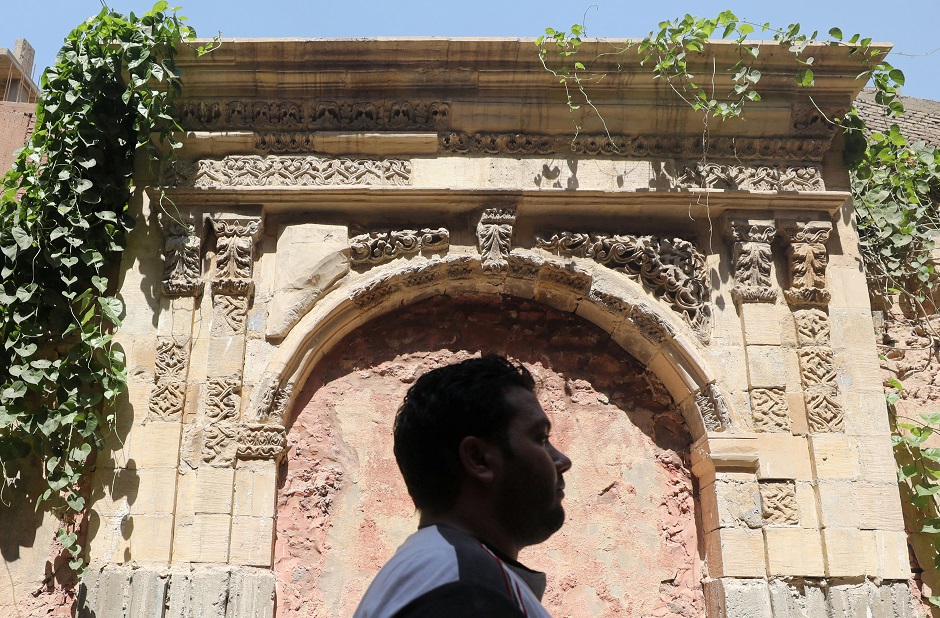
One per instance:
(210, 538)
(762, 323)
(183, 528)
(853, 331)
(877, 459)
(141, 491)
(766, 366)
(838, 504)
(556, 297)
(729, 597)
(797, 599)
(794, 551)
(255, 488)
(865, 411)
(152, 538)
(738, 503)
(879, 506)
(796, 405)
(153, 445)
(729, 360)
(848, 285)
(251, 593)
(252, 541)
(226, 355)
(673, 375)
(186, 492)
(199, 592)
(850, 552)
(214, 488)
(893, 558)
(835, 456)
(109, 537)
(633, 342)
(181, 317)
(807, 503)
(783, 456)
(735, 552)
(147, 593)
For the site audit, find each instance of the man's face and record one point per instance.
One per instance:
(530, 488)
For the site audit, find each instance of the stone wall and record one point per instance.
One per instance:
(16, 125)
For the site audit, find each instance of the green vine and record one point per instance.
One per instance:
(64, 221)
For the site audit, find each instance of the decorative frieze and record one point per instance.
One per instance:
(778, 503)
(236, 171)
(181, 260)
(169, 392)
(769, 410)
(378, 247)
(672, 268)
(635, 146)
(494, 236)
(235, 241)
(750, 177)
(224, 442)
(711, 406)
(807, 256)
(752, 260)
(392, 115)
(650, 325)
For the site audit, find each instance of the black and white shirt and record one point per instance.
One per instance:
(439, 571)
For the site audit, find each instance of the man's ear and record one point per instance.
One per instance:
(479, 458)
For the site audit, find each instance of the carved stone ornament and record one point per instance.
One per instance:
(752, 260)
(778, 503)
(261, 441)
(182, 266)
(807, 256)
(379, 247)
(220, 444)
(750, 177)
(230, 314)
(235, 242)
(824, 413)
(272, 405)
(810, 119)
(394, 115)
(671, 268)
(812, 327)
(635, 146)
(769, 410)
(290, 171)
(711, 405)
(222, 398)
(494, 236)
(169, 392)
(816, 365)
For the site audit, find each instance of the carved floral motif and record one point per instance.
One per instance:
(394, 115)
(181, 261)
(670, 267)
(494, 235)
(806, 251)
(752, 260)
(778, 503)
(168, 395)
(769, 410)
(823, 411)
(711, 406)
(219, 445)
(235, 241)
(379, 247)
(812, 327)
(290, 171)
(750, 177)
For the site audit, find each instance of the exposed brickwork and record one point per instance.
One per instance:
(629, 547)
(17, 121)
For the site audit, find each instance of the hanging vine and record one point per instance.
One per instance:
(64, 219)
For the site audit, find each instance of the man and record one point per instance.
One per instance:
(472, 443)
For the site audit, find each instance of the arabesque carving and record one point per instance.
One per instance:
(181, 260)
(379, 247)
(235, 241)
(272, 405)
(669, 267)
(220, 444)
(769, 410)
(392, 115)
(778, 503)
(812, 327)
(806, 252)
(168, 395)
(230, 313)
(494, 236)
(222, 398)
(711, 405)
(261, 441)
(750, 177)
(638, 146)
(752, 260)
(290, 171)
(823, 411)
(816, 365)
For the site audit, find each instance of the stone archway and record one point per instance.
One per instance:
(631, 545)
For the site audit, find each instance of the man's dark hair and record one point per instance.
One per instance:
(442, 408)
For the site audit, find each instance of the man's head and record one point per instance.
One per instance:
(479, 422)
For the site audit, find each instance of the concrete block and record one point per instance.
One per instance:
(252, 541)
(762, 323)
(728, 597)
(850, 552)
(147, 596)
(255, 488)
(735, 552)
(110, 595)
(214, 488)
(794, 551)
(893, 557)
(783, 456)
(251, 593)
(795, 598)
(766, 366)
(835, 456)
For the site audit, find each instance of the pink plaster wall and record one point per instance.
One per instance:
(630, 543)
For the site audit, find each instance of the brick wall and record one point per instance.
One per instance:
(16, 125)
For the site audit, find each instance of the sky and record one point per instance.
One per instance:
(911, 25)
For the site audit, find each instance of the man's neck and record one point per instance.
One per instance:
(482, 528)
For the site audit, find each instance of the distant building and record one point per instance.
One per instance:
(18, 103)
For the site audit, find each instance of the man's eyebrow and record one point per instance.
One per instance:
(543, 423)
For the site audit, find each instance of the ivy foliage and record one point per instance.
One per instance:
(63, 211)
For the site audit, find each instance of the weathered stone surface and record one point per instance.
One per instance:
(728, 597)
(796, 598)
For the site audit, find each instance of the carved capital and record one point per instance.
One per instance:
(379, 247)
(494, 236)
(181, 260)
(807, 256)
(234, 260)
(752, 260)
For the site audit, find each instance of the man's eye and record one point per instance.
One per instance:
(543, 439)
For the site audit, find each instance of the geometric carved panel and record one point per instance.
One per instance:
(778, 502)
(769, 410)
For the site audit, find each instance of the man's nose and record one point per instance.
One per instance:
(562, 463)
